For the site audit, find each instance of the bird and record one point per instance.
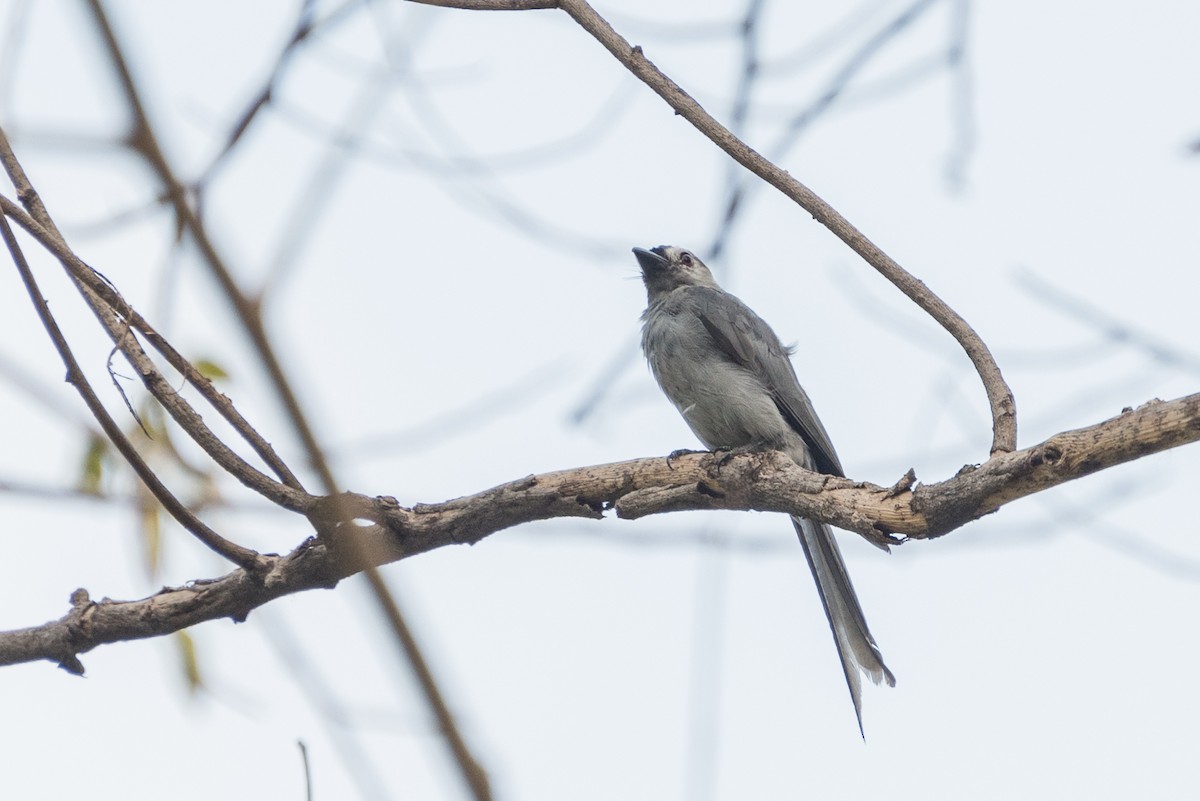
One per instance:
(730, 377)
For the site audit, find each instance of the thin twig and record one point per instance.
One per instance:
(304, 669)
(476, 777)
(1000, 398)
(801, 121)
(301, 31)
(244, 557)
(249, 313)
(145, 143)
(962, 113)
(120, 320)
(42, 227)
(1114, 329)
(747, 80)
(308, 788)
(494, 5)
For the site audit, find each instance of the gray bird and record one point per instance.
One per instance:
(730, 377)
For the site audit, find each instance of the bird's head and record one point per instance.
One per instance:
(666, 267)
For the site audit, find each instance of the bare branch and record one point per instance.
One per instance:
(249, 311)
(308, 793)
(304, 27)
(473, 772)
(95, 288)
(802, 120)
(143, 140)
(118, 316)
(962, 113)
(756, 481)
(1000, 398)
(494, 5)
(1114, 330)
(248, 559)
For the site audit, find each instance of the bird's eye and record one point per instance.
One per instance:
(685, 259)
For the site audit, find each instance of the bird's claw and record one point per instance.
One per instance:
(677, 453)
(725, 455)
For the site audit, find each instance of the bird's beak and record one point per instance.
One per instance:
(649, 261)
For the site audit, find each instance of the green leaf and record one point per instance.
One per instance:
(92, 474)
(191, 665)
(210, 369)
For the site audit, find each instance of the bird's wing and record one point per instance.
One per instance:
(748, 341)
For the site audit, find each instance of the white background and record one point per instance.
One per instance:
(463, 284)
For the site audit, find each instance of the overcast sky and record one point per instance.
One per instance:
(441, 205)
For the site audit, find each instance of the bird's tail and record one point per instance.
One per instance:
(855, 645)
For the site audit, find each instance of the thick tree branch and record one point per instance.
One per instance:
(1000, 397)
(386, 532)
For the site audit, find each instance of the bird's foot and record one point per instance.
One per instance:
(724, 455)
(676, 454)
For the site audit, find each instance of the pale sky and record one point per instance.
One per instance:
(454, 290)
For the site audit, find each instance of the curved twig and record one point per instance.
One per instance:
(248, 559)
(120, 320)
(1000, 397)
(38, 223)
